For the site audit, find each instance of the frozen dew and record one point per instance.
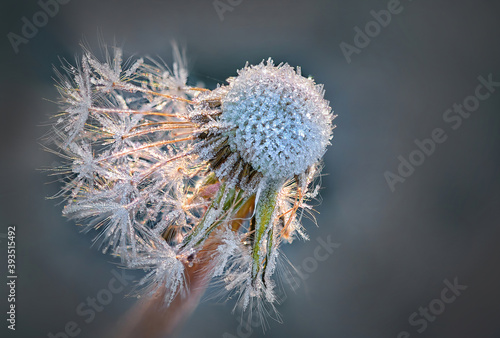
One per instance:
(282, 123)
(170, 174)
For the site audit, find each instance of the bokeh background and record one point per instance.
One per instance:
(394, 249)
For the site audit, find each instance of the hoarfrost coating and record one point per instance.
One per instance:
(283, 124)
(180, 179)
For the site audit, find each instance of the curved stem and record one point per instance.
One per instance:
(149, 318)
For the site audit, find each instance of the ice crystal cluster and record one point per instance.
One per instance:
(171, 175)
(281, 121)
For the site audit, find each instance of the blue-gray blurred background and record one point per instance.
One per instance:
(394, 248)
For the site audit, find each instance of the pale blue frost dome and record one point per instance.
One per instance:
(282, 122)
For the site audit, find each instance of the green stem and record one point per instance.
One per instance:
(263, 229)
(201, 226)
(233, 200)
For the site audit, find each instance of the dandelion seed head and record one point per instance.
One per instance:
(282, 122)
(168, 174)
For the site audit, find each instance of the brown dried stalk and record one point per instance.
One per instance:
(150, 318)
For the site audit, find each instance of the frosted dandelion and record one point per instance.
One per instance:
(172, 175)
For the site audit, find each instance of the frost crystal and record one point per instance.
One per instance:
(176, 178)
(282, 123)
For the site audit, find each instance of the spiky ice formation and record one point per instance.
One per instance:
(174, 176)
(282, 122)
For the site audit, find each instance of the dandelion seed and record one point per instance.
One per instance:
(168, 173)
